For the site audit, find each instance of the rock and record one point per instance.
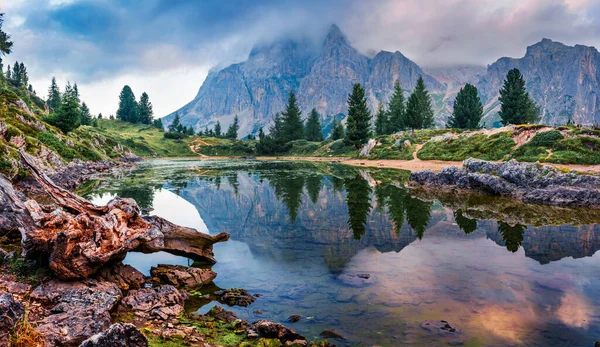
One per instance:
(440, 327)
(235, 296)
(366, 149)
(530, 183)
(182, 276)
(77, 310)
(126, 277)
(3, 129)
(79, 237)
(271, 330)
(358, 280)
(130, 157)
(13, 213)
(23, 106)
(407, 143)
(11, 312)
(294, 318)
(160, 303)
(331, 334)
(18, 141)
(69, 143)
(117, 335)
(222, 315)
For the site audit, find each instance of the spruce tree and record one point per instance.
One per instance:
(24, 77)
(218, 129)
(293, 129)
(516, 106)
(16, 74)
(5, 43)
(419, 114)
(381, 121)
(100, 115)
(128, 106)
(68, 116)
(189, 131)
(276, 130)
(145, 113)
(312, 131)
(53, 95)
(174, 127)
(359, 118)
(396, 111)
(8, 73)
(86, 117)
(232, 131)
(157, 123)
(337, 131)
(468, 109)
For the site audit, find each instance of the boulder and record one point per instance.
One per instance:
(235, 296)
(161, 303)
(181, 276)
(126, 277)
(76, 310)
(271, 330)
(331, 334)
(117, 335)
(11, 312)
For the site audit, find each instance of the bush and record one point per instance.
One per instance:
(57, 145)
(546, 138)
(173, 135)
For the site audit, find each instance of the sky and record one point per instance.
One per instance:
(166, 47)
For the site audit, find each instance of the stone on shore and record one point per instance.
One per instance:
(117, 335)
(181, 276)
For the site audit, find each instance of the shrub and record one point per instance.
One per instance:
(173, 135)
(546, 138)
(57, 145)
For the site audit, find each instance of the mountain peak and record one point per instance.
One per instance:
(546, 45)
(335, 36)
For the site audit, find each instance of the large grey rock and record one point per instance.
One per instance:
(524, 181)
(160, 303)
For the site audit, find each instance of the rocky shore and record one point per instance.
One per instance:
(527, 182)
(63, 282)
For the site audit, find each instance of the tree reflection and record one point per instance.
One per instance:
(358, 198)
(418, 214)
(467, 225)
(313, 187)
(143, 195)
(233, 181)
(289, 190)
(394, 199)
(512, 235)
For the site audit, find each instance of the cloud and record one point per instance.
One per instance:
(98, 42)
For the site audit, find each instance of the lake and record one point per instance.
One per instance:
(352, 249)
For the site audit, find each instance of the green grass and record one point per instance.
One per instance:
(479, 146)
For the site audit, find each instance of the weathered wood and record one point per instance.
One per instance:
(79, 237)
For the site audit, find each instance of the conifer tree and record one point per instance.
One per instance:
(86, 117)
(145, 113)
(128, 106)
(218, 129)
(53, 95)
(359, 118)
(381, 121)
(8, 73)
(24, 78)
(68, 116)
(293, 129)
(158, 124)
(16, 74)
(99, 115)
(276, 130)
(516, 106)
(232, 131)
(5, 43)
(312, 131)
(396, 111)
(175, 124)
(419, 114)
(206, 131)
(337, 131)
(189, 131)
(468, 109)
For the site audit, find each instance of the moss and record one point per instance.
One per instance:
(546, 138)
(478, 146)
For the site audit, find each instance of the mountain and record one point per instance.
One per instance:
(322, 76)
(563, 80)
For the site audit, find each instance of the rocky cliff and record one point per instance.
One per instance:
(322, 76)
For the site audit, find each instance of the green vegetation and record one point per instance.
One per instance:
(312, 131)
(480, 146)
(397, 111)
(468, 109)
(359, 118)
(419, 114)
(516, 106)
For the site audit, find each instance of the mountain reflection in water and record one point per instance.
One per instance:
(502, 271)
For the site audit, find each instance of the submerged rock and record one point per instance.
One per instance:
(357, 280)
(117, 335)
(76, 310)
(331, 334)
(271, 330)
(440, 327)
(294, 318)
(236, 296)
(182, 276)
(531, 183)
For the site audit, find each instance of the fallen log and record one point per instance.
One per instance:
(79, 237)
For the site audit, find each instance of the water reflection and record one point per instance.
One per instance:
(502, 271)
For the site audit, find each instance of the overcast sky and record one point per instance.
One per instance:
(166, 47)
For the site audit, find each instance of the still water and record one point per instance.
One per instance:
(500, 272)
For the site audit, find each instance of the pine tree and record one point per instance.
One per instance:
(128, 106)
(218, 129)
(276, 130)
(206, 131)
(312, 131)
(68, 116)
(232, 131)
(5, 43)
(381, 121)
(337, 131)
(53, 95)
(359, 118)
(293, 129)
(157, 123)
(516, 106)
(419, 114)
(8, 73)
(24, 79)
(189, 131)
(16, 75)
(468, 109)
(86, 117)
(396, 110)
(145, 113)
(99, 115)
(175, 124)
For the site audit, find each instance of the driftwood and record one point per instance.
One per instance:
(79, 237)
